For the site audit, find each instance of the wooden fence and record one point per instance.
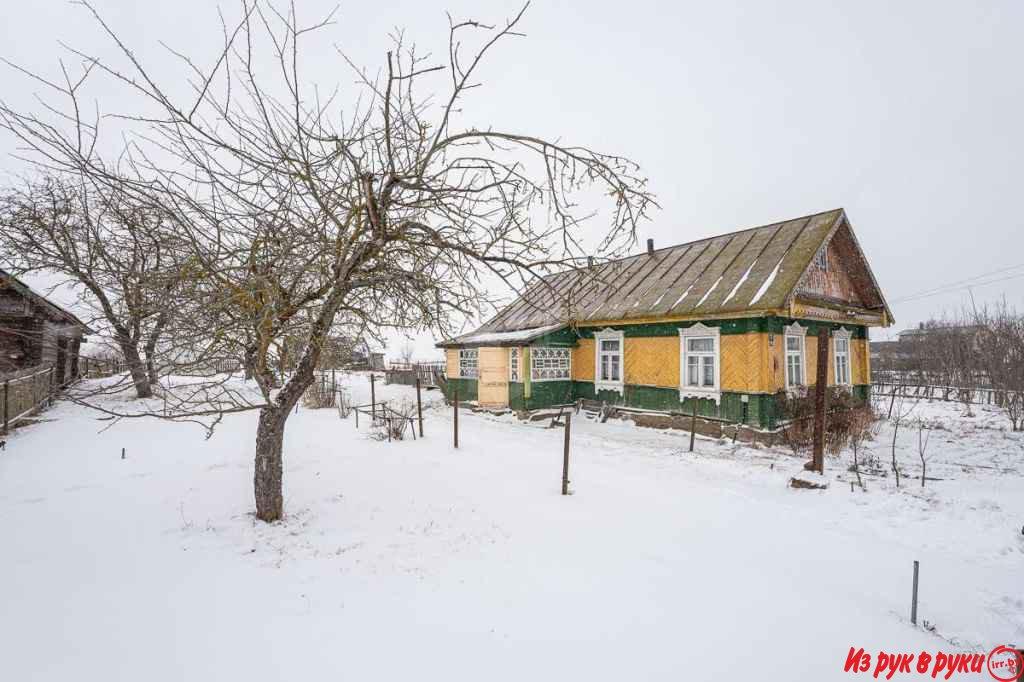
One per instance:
(960, 394)
(23, 395)
(406, 373)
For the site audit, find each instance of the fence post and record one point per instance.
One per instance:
(419, 405)
(693, 422)
(455, 401)
(565, 455)
(913, 601)
(373, 400)
(7, 407)
(53, 384)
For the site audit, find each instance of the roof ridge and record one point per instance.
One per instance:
(698, 241)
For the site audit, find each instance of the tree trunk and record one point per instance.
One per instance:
(137, 368)
(150, 349)
(267, 481)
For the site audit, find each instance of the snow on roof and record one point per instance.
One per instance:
(502, 338)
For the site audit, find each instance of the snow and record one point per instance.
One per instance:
(414, 560)
(708, 292)
(680, 299)
(739, 283)
(510, 337)
(767, 283)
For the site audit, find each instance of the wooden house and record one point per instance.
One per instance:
(36, 332)
(729, 322)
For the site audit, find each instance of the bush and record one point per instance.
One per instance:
(797, 412)
(318, 396)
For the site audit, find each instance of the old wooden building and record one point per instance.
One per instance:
(35, 332)
(728, 322)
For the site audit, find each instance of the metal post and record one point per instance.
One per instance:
(913, 603)
(565, 455)
(820, 401)
(419, 405)
(693, 423)
(455, 401)
(373, 399)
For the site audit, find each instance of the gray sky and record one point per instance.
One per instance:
(741, 113)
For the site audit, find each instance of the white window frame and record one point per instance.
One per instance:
(700, 331)
(609, 335)
(795, 330)
(515, 365)
(535, 350)
(843, 334)
(476, 357)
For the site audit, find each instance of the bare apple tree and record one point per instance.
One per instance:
(302, 206)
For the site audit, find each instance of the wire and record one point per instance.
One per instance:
(962, 284)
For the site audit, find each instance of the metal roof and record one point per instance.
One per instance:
(749, 272)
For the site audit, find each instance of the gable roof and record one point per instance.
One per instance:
(54, 311)
(745, 273)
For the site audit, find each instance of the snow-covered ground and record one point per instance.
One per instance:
(412, 560)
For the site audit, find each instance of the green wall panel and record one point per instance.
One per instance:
(542, 394)
(467, 388)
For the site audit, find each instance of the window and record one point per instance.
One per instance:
(795, 337)
(842, 352)
(549, 364)
(513, 364)
(608, 358)
(468, 363)
(700, 362)
(821, 258)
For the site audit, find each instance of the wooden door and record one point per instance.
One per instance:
(492, 389)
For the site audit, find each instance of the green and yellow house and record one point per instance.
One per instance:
(729, 322)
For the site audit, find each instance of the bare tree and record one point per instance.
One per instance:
(922, 447)
(113, 245)
(1000, 349)
(863, 425)
(407, 352)
(299, 210)
(900, 411)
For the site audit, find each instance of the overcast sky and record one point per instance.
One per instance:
(907, 114)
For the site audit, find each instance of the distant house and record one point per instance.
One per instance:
(918, 349)
(721, 324)
(36, 332)
(352, 352)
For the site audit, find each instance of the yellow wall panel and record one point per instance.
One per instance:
(860, 361)
(583, 361)
(452, 356)
(652, 361)
(741, 362)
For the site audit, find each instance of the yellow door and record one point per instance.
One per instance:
(492, 388)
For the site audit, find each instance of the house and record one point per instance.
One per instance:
(722, 325)
(351, 352)
(35, 332)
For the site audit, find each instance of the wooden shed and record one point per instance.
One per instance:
(723, 321)
(36, 332)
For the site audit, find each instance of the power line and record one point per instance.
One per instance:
(960, 285)
(951, 289)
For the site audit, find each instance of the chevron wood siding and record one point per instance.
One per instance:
(583, 361)
(742, 364)
(860, 360)
(652, 361)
